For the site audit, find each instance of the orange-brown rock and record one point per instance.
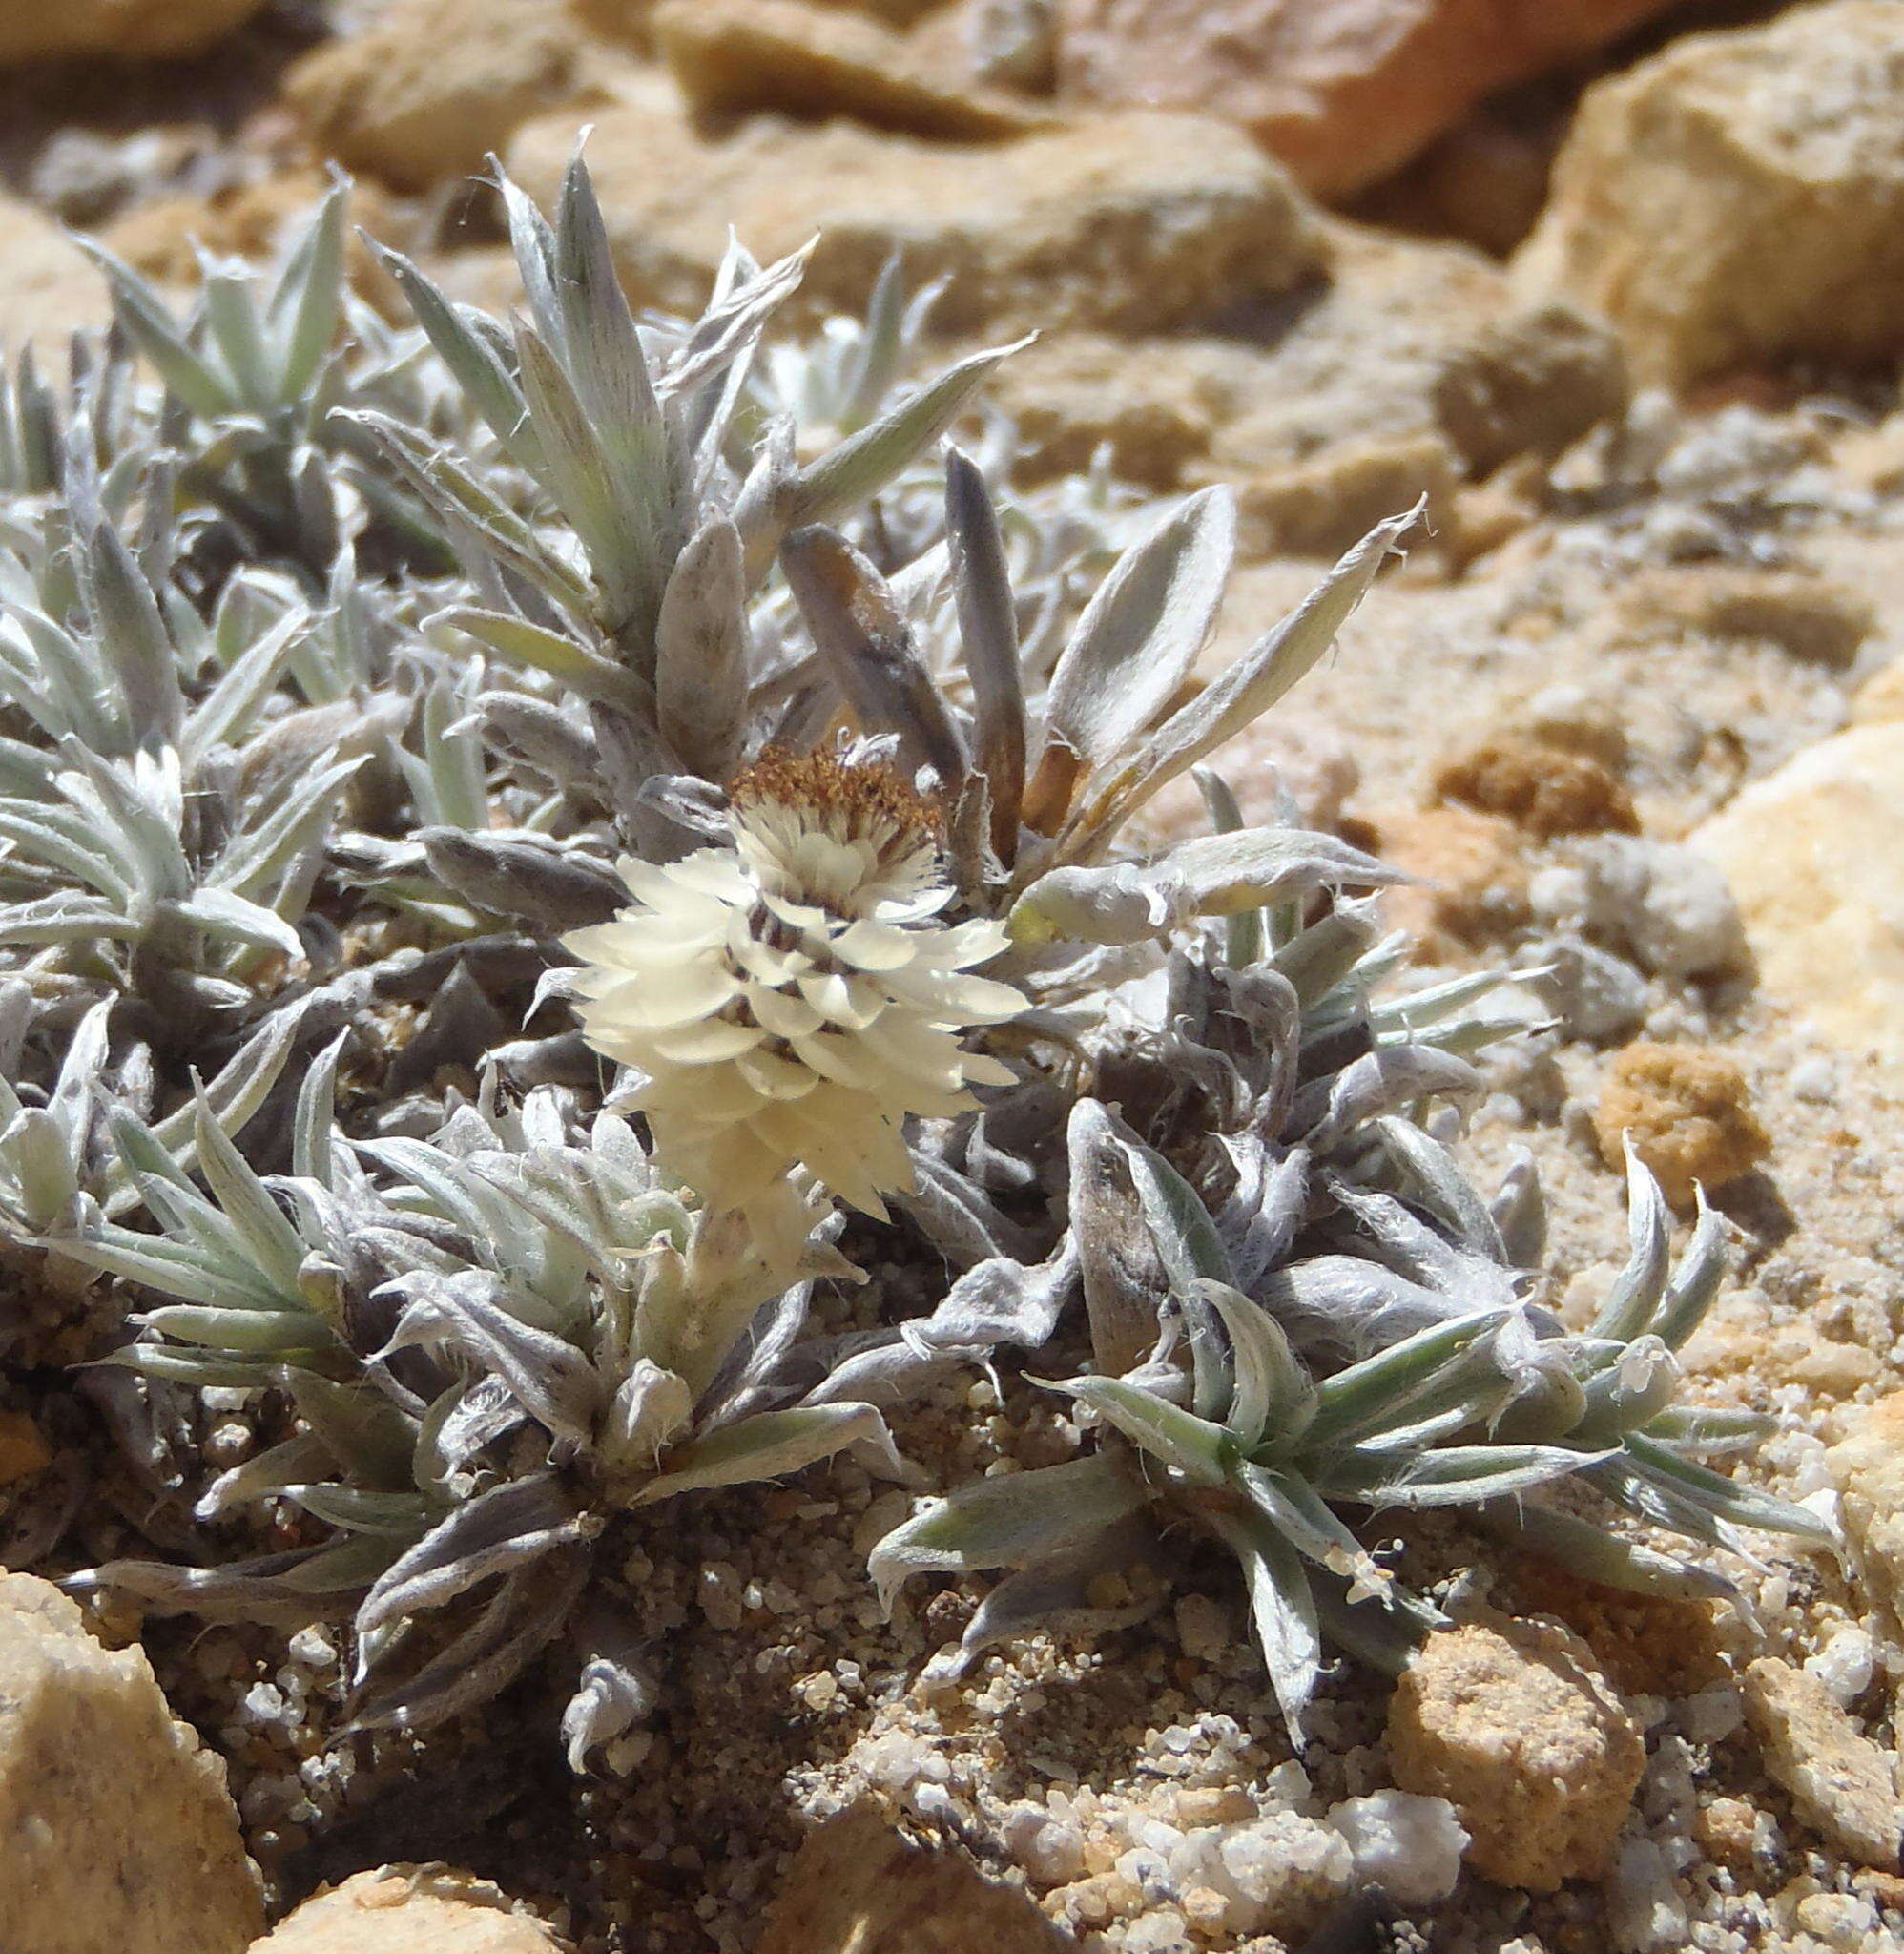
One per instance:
(43, 30)
(1649, 1645)
(1485, 183)
(1689, 1113)
(1343, 90)
(23, 1451)
(161, 237)
(1545, 790)
(1473, 886)
(1727, 1831)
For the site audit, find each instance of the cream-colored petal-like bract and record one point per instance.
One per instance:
(789, 999)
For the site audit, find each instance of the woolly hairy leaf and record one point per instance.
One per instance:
(1211, 875)
(1283, 1609)
(1192, 1446)
(768, 1445)
(861, 465)
(1008, 1522)
(1134, 645)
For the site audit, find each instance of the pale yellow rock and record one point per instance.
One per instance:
(1815, 857)
(435, 85)
(116, 1831)
(1515, 1725)
(1155, 409)
(46, 289)
(1867, 1466)
(1880, 699)
(410, 1910)
(812, 61)
(1840, 1782)
(1740, 196)
(1401, 368)
(36, 30)
(1807, 617)
(1131, 223)
(1322, 506)
(1401, 338)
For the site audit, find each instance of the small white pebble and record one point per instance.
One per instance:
(262, 1703)
(1049, 1848)
(1712, 1714)
(1840, 1920)
(314, 1648)
(1845, 1663)
(1643, 1908)
(1164, 1932)
(1408, 1845)
(228, 1445)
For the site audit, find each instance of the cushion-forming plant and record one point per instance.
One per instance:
(564, 665)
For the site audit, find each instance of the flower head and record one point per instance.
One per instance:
(789, 998)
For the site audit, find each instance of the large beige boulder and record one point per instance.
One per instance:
(1815, 857)
(1401, 368)
(1514, 1724)
(1402, 337)
(436, 84)
(1343, 90)
(116, 1831)
(1132, 222)
(1740, 196)
(37, 30)
(409, 1910)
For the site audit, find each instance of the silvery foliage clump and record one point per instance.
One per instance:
(498, 1331)
(500, 1343)
(520, 596)
(1303, 1316)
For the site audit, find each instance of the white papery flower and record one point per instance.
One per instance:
(789, 999)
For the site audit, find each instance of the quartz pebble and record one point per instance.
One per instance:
(1841, 1783)
(1867, 1466)
(1409, 1846)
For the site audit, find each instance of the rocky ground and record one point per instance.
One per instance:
(1617, 287)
